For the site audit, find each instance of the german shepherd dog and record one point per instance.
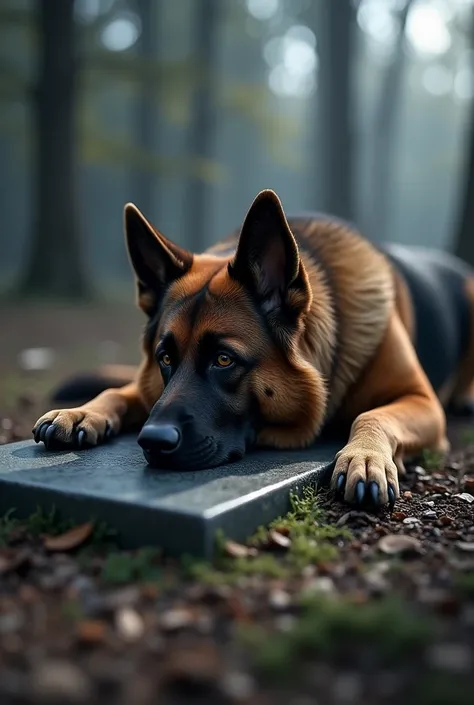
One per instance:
(288, 327)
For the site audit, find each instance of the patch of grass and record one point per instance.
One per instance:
(312, 541)
(72, 610)
(7, 524)
(47, 522)
(432, 459)
(332, 628)
(465, 584)
(441, 688)
(467, 436)
(142, 566)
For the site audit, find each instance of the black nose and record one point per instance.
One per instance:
(159, 438)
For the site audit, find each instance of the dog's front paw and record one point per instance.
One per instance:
(361, 474)
(78, 428)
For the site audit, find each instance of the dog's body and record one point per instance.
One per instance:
(283, 329)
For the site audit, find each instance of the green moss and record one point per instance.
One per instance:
(329, 628)
(142, 566)
(465, 584)
(312, 541)
(467, 436)
(432, 459)
(7, 524)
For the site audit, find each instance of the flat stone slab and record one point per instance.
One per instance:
(179, 511)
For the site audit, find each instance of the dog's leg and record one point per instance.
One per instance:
(396, 414)
(111, 412)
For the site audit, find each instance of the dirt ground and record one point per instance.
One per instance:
(326, 606)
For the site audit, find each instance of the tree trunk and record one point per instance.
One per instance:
(144, 182)
(203, 117)
(54, 266)
(335, 111)
(464, 239)
(384, 133)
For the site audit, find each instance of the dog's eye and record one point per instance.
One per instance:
(224, 360)
(165, 359)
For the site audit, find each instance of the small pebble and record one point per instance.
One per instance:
(129, 624)
(175, 619)
(279, 599)
(451, 657)
(237, 686)
(429, 514)
(59, 681)
(465, 497)
(411, 521)
(419, 470)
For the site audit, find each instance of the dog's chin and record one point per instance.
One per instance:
(209, 457)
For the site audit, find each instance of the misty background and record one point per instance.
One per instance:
(188, 108)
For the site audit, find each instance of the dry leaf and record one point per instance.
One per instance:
(71, 539)
(399, 516)
(237, 550)
(277, 539)
(393, 544)
(91, 631)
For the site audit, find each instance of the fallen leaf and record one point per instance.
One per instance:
(69, 540)
(237, 550)
(445, 520)
(466, 497)
(399, 516)
(278, 539)
(394, 544)
(91, 631)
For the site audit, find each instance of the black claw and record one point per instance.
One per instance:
(48, 436)
(374, 491)
(340, 483)
(391, 497)
(81, 437)
(41, 431)
(360, 491)
(108, 432)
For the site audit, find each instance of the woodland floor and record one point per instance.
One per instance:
(326, 606)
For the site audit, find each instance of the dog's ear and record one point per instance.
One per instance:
(156, 261)
(267, 260)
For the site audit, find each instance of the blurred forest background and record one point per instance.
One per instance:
(363, 108)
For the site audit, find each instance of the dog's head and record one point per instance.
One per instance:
(222, 367)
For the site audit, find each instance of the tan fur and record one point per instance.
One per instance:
(350, 357)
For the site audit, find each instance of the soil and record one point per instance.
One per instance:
(384, 617)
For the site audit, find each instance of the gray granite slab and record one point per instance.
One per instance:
(179, 511)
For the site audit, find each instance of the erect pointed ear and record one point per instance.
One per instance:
(267, 260)
(156, 261)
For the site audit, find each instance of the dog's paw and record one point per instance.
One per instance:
(363, 475)
(76, 428)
